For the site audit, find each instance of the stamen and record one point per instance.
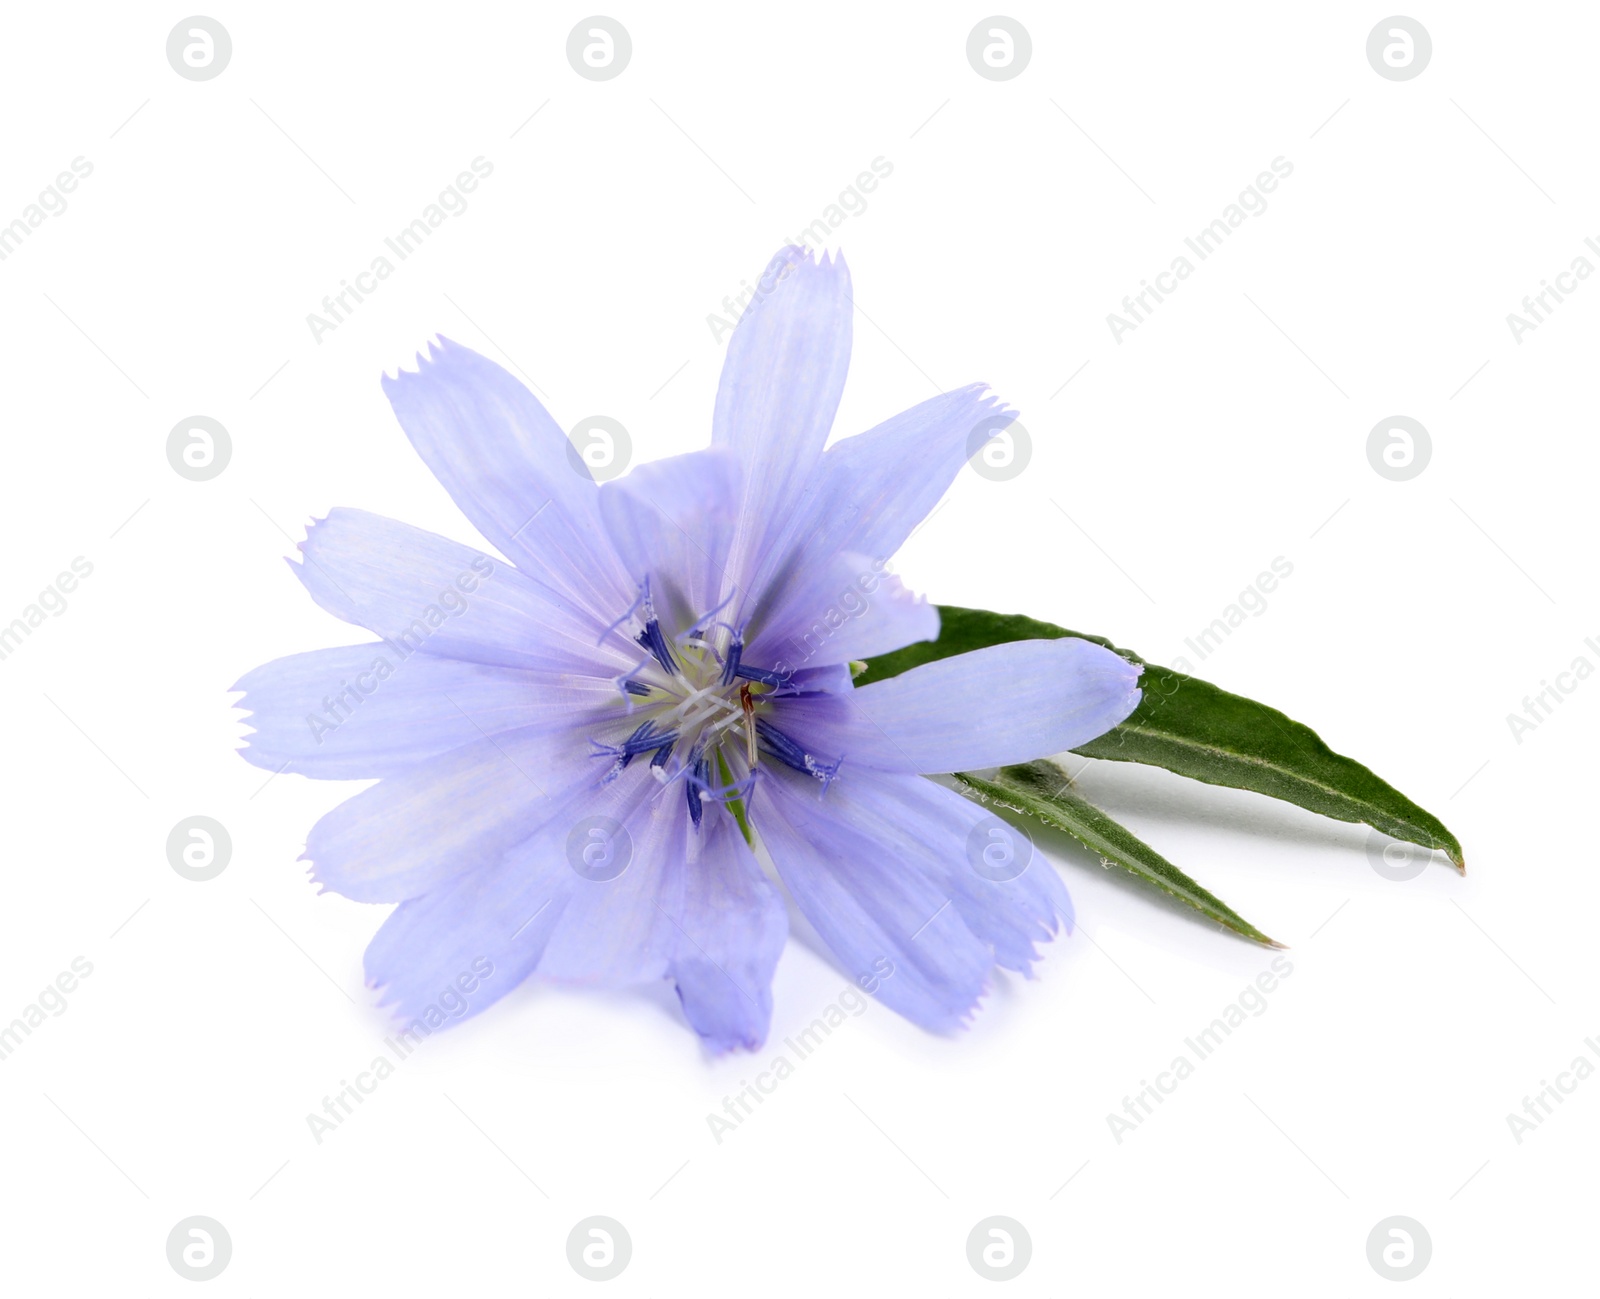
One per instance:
(704, 620)
(699, 778)
(620, 760)
(643, 610)
(647, 738)
(763, 676)
(730, 668)
(829, 772)
(652, 639)
(697, 690)
(786, 751)
(641, 598)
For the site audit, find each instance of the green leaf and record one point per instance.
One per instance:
(1206, 733)
(1043, 790)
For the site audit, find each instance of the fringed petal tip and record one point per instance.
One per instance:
(798, 260)
(805, 254)
(1028, 967)
(323, 883)
(324, 877)
(313, 522)
(956, 1020)
(991, 414)
(389, 1002)
(423, 1020)
(986, 399)
(439, 347)
(717, 1047)
(249, 728)
(961, 1020)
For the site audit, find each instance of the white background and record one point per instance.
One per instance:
(1173, 467)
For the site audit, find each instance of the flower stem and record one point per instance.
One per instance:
(735, 805)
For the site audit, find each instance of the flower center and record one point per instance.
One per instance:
(701, 712)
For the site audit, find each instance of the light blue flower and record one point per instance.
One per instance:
(659, 651)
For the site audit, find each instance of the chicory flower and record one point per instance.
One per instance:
(577, 743)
